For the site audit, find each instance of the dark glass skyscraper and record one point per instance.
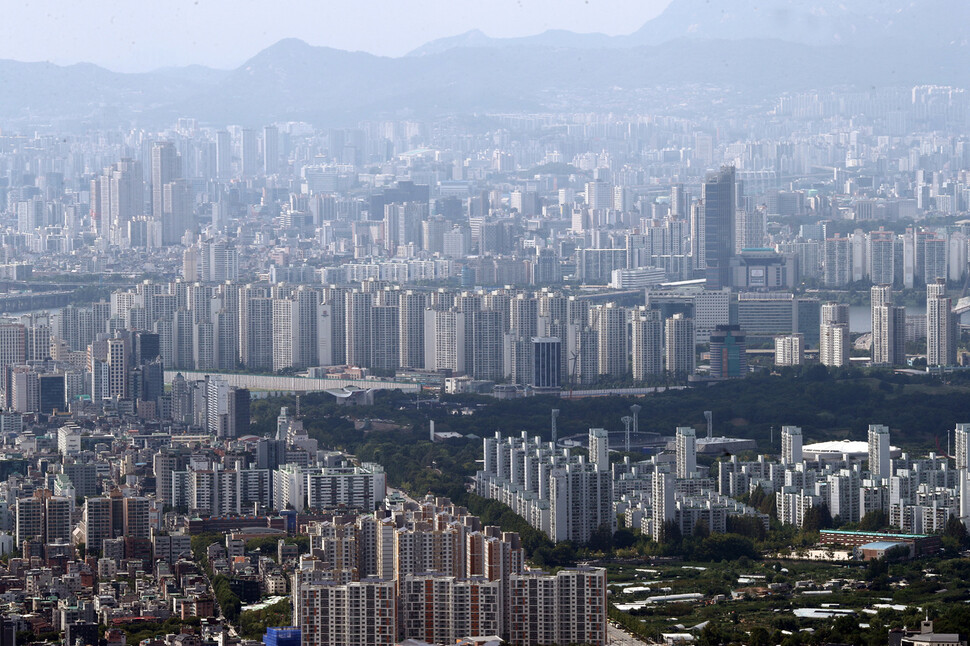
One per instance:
(719, 218)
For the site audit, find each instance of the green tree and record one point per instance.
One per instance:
(956, 530)
(874, 521)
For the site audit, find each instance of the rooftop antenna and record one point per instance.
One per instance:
(626, 419)
(709, 416)
(555, 414)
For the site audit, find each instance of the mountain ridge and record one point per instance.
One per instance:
(292, 80)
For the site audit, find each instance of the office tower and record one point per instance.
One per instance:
(686, 448)
(962, 446)
(50, 393)
(359, 613)
(610, 323)
(359, 327)
(271, 149)
(679, 345)
(833, 346)
(728, 352)
(879, 456)
(791, 444)
(249, 149)
(546, 362)
(487, 345)
(941, 326)
(223, 154)
(646, 341)
(411, 306)
(718, 195)
(790, 350)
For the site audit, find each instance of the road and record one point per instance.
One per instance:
(620, 638)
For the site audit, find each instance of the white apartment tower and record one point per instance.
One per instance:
(833, 347)
(686, 439)
(646, 340)
(941, 326)
(879, 456)
(679, 345)
(791, 444)
(962, 446)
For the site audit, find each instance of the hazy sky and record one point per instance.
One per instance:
(137, 35)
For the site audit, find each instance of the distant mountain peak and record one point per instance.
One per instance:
(472, 38)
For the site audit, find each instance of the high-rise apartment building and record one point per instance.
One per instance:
(833, 346)
(686, 451)
(879, 452)
(565, 608)
(941, 326)
(679, 345)
(790, 350)
(791, 444)
(646, 344)
(359, 613)
(888, 328)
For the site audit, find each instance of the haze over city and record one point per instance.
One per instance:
(144, 36)
(485, 323)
